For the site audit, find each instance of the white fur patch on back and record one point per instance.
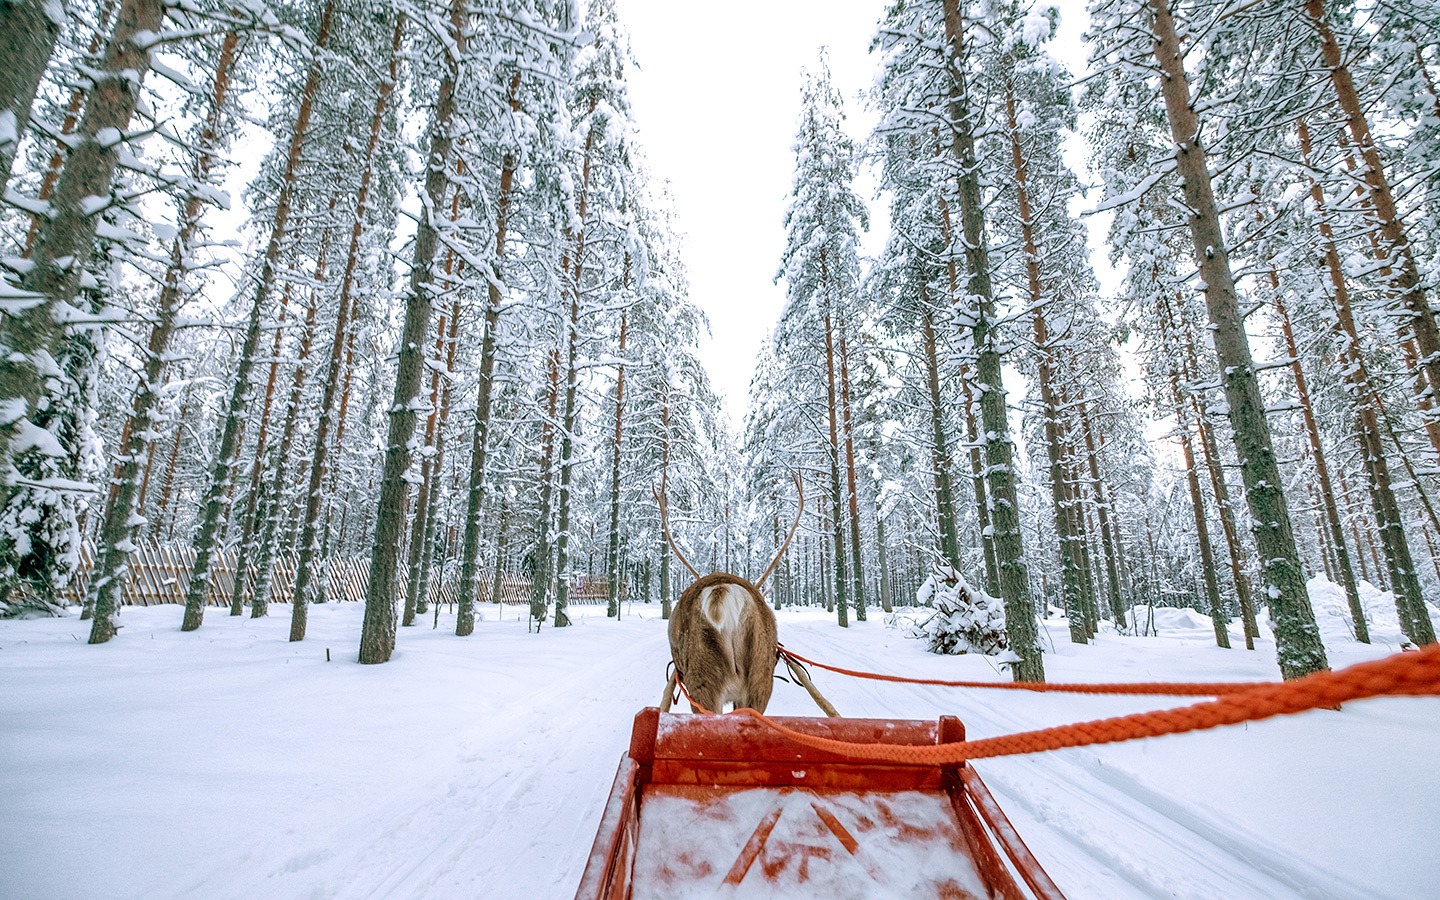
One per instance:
(724, 606)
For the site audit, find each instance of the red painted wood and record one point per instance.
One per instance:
(804, 773)
(999, 825)
(607, 873)
(705, 756)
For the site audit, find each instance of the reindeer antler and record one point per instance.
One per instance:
(665, 526)
(799, 511)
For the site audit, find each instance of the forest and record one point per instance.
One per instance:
(382, 301)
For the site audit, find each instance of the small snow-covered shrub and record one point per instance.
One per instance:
(966, 619)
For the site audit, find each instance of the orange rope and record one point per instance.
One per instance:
(1413, 674)
(1173, 689)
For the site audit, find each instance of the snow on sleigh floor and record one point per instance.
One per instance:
(231, 763)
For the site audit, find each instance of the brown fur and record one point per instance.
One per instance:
(736, 665)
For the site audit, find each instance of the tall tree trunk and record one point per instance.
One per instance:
(434, 465)
(972, 432)
(56, 163)
(480, 438)
(121, 522)
(28, 32)
(32, 337)
(541, 553)
(567, 444)
(939, 440)
(664, 477)
(999, 464)
(1381, 200)
(832, 450)
(1236, 554)
(572, 386)
(612, 550)
(247, 547)
(218, 487)
(1297, 638)
(1062, 499)
(977, 486)
(1108, 538)
(1197, 503)
(857, 569)
(164, 514)
(377, 633)
(886, 603)
(274, 497)
(1189, 371)
(1340, 553)
(304, 565)
(423, 523)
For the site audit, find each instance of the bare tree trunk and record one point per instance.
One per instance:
(1297, 638)
(31, 332)
(541, 553)
(612, 551)
(480, 439)
(1108, 538)
(28, 32)
(163, 512)
(1202, 528)
(273, 502)
(1061, 498)
(857, 563)
(446, 341)
(434, 466)
(940, 443)
(67, 125)
(247, 547)
(832, 450)
(999, 463)
(886, 603)
(121, 524)
(664, 476)
(972, 429)
(1336, 532)
(572, 375)
(218, 487)
(377, 634)
(1189, 370)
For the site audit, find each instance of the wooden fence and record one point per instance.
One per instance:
(160, 573)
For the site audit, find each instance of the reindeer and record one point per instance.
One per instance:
(722, 633)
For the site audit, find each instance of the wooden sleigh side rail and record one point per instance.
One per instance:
(720, 764)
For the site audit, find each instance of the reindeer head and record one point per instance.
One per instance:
(722, 633)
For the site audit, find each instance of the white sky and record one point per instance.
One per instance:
(716, 102)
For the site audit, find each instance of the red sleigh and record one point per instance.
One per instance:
(723, 806)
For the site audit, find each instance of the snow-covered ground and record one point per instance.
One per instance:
(232, 763)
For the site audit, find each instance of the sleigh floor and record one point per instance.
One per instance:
(721, 806)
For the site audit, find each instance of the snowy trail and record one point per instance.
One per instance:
(233, 764)
(1097, 829)
(486, 813)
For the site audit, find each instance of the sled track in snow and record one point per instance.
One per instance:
(1081, 816)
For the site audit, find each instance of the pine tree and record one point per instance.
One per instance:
(377, 636)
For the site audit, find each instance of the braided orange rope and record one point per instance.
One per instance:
(1171, 689)
(1413, 674)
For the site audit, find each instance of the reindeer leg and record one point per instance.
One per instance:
(801, 676)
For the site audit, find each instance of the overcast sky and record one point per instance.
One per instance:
(716, 102)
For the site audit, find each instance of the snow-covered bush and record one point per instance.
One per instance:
(966, 619)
